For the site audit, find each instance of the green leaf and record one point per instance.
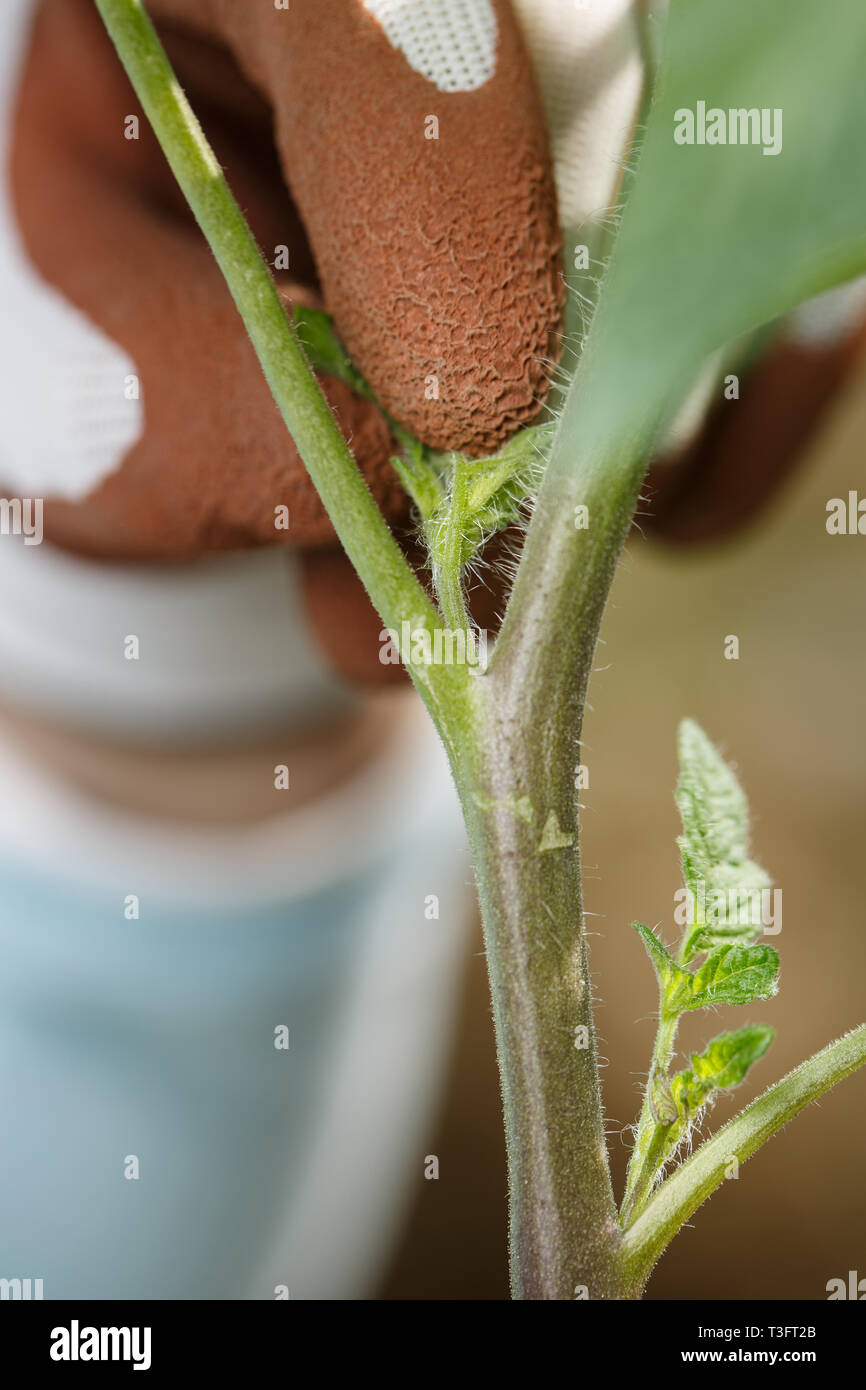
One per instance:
(711, 803)
(522, 457)
(714, 851)
(729, 975)
(421, 477)
(725, 1060)
(492, 492)
(670, 976)
(323, 348)
(721, 1066)
(715, 239)
(724, 883)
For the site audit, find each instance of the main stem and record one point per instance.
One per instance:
(564, 1229)
(522, 816)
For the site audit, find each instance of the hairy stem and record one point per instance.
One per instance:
(682, 1193)
(564, 1227)
(524, 832)
(644, 1159)
(449, 573)
(513, 737)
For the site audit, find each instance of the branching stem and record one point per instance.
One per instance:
(449, 574)
(513, 737)
(644, 1160)
(689, 1185)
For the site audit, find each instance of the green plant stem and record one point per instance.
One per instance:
(513, 737)
(644, 1160)
(642, 1166)
(380, 563)
(499, 738)
(682, 1193)
(523, 828)
(564, 1229)
(448, 575)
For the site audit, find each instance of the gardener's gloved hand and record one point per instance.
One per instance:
(415, 154)
(437, 257)
(394, 156)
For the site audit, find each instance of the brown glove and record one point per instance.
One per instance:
(438, 258)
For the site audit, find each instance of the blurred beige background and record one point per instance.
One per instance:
(789, 714)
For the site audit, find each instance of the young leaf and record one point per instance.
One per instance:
(724, 884)
(722, 1065)
(729, 975)
(725, 1060)
(524, 450)
(493, 491)
(715, 826)
(726, 909)
(672, 979)
(712, 806)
